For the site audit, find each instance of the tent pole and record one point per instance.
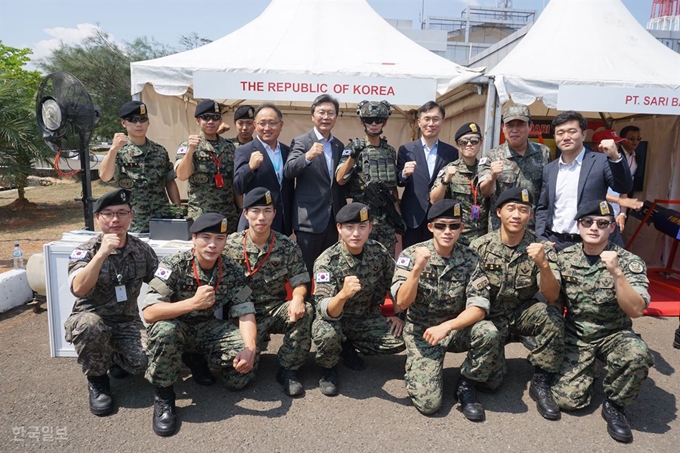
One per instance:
(492, 119)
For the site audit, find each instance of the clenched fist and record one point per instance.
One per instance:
(610, 259)
(537, 253)
(119, 140)
(255, 160)
(422, 256)
(496, 169)
(409, 168)
(110, 242)
(204, 297)
(449, 173)
(315, 151)
(350, 286)
(193, 142)
(609, 148)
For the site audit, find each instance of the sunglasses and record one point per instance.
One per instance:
(210, 116)
(587, 222)
(443, 226)
(137, 119)
(463, 142)
(373, 120)
(634, 139)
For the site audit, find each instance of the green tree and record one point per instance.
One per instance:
(20, 140)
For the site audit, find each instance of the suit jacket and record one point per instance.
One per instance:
(317, 196)
(415, 200)
(265, 176)
(639, 176)
(597, 174)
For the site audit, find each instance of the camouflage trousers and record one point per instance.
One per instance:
(219, 341)
(384, 233)
(297, 338)
(370, 334)
(536, 319)
(425, 363)
(628, 361)
(100, 343)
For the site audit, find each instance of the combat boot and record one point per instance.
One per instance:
(467, 397)
(539, 391)
(199, 368)
(164, 414)
(328, 384)
(117, 372)
(351, 358)
(617, 422)
(676, 341)
(290, 382)
(101, 402)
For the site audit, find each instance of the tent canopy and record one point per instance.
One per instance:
(306, 37)
(593, 54)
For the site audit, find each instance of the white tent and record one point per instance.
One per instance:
(588, 56)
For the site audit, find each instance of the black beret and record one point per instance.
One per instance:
(207, 106)
(244, 112)
(115, 197)
(259, 196)
(598, 208)
(468, 128)
(211, 222)
(132, 108)
(444, 209)
(515, 195)
(353, 213)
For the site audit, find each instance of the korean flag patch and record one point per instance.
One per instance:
(483, 160)
(346, 152)
(403, 261)
(163, 273)
(323, 277)
(78, 255)
(181, 150)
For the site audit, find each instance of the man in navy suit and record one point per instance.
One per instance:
(317, 197)
(577, 177)
(418, 165)
(260, 162)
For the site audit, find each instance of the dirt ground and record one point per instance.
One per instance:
(53, 212)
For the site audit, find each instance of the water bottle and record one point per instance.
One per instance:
(18, 256)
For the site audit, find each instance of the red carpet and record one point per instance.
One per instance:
(665, 301)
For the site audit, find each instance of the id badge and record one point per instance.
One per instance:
(121, 293)
(475, 212)
(219, 182)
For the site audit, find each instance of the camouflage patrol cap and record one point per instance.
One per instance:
(598, 208)
(113, 198)
(132, 108)
(211, 222)
(245, 112)
(259, 196)
(374, 109)
(515, 195)
(207, 106)
(444, 209)
(516, 112)
(353, 213)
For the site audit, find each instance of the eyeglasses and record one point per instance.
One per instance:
(271, 124)
(210, 117)
(108, 215)
(634, 139)
(428, 120)
(568, 132)
(463, 142)
(137, 119)
(326, 114)
(587, 222)
(443, 226)
(373, 120)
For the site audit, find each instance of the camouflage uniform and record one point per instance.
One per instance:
(459, 189)
(198, 331)
(145, 170)
(514, 280)
(447, 286)
(597, 328)
(284, 265)
(203, 195)
(361, 321)
(518, 171)
(102, 330)
(382, 167)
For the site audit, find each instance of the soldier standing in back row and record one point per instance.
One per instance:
(373, 162)
(207, 161)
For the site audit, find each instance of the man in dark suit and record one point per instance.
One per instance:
(260, 164)
(317, 197)
(577, 177)
(418, 165)
(635, 158)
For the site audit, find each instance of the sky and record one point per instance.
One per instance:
(42, 24)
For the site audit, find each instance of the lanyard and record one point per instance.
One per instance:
(217, 162)
(245, 254)
(474, 190)
(219, 278)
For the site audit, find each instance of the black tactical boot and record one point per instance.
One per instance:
(117, 372)
(617, 423)
(328, 384)
(467, 397)
(101, 402)
(199, 368)
(676, 341)
(351, 358)
(290, 382)
(164, 416)
(539, 391)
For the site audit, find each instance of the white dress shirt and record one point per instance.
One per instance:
(275, 157)
(566, 195)
(430, 155)
(327, 151)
